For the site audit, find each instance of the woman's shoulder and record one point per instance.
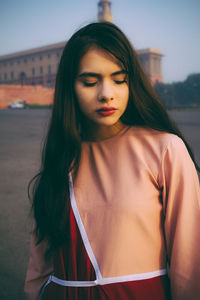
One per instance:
(154, 142)
(153, 136)
(154, 146)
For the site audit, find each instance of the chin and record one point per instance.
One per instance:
(107, 122)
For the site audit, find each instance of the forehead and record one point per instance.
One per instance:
(98, 60)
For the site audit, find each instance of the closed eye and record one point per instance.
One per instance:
(94, 83)
(120, 81)
(85, 83)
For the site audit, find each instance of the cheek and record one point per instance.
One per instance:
(84, 100)
(84, 95)
(124, 96)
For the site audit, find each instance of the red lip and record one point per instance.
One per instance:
(106, 111)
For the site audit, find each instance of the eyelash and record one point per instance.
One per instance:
(120, 81)
(94, 83)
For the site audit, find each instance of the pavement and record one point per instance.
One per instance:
(22, 133)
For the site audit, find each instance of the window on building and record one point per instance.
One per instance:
(41, 82)
(33, 71)
(33, 83)
(25, 60)
(0, 76)
(5, 76)
(100, 9)
(11, 63)
(57, 54)
(22, 78)
(5, 64)
(49, 69)
(12, 75)
(33, 58)
(41, 70)
(18, 62)
(40, 57)
(49, 83)
(49, 55)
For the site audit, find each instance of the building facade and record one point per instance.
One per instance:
(39, 66)
(32, 67)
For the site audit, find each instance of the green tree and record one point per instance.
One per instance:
(180, 94)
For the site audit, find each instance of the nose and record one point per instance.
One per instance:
(105, 92)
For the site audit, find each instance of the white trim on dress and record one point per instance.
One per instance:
(108, 280)
(82, 230)
(44, 286)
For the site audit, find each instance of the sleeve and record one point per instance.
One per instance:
(38, 270)
(181, 204)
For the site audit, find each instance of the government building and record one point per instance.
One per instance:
(39, 66)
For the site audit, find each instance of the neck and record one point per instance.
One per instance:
(95, 132)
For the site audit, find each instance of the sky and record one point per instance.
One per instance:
(171, 26)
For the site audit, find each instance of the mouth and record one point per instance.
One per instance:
(106, 111)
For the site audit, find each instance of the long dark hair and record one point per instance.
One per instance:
(62, 148)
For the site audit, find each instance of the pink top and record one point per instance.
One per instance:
(136, 202)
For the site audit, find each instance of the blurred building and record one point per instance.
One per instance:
(31, 67)
(151, 60)
(104, 11)
(39, 65)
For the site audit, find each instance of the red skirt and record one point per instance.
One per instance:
(72, 263)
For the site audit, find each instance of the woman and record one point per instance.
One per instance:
(116, 203)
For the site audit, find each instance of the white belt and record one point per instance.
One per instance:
(73, 283)
(102, 281)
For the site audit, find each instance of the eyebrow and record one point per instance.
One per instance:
(92, 74)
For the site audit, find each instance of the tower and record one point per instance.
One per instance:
(151, 60)
(104, 11)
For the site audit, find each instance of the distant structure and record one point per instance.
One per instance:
(31, 67)
(104, 11)
(39, 66)
(151, 60)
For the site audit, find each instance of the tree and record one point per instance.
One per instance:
(180, 94)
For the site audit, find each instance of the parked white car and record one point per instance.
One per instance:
(17, 104)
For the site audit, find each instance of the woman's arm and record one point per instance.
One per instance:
(39, 269)
(181, 202)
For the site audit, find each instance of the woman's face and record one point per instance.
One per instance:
(101, 88)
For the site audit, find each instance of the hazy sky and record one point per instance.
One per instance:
(171, 26)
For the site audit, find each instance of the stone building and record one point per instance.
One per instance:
(39, 66)
(151, 60)
(31, 67)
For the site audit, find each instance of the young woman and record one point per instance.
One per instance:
(116, 202)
